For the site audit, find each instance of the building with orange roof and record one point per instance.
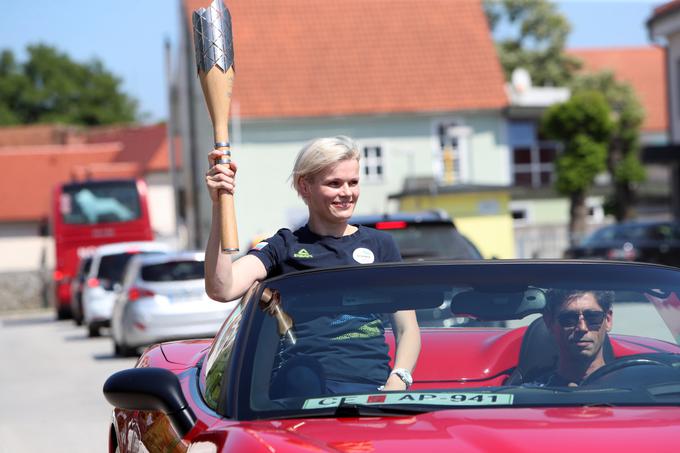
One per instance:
(664, 28)
(418, 85)
(541, 214)
(36, 158)
(642, 67)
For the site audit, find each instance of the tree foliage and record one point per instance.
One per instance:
(623, 156)
(584, 126)
(536, 41)
(51, 88)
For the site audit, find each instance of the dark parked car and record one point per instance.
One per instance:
(423, 235)
(650, 241)
(428, 235)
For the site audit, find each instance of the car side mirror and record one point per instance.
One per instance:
(151, 389)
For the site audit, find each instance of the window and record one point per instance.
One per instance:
(173, 271)
(99, 202)
(533, 160)
(521, 213)
(217, 361)
(450, 152)
(373, 163)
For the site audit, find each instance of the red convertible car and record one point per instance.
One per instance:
(263, 383)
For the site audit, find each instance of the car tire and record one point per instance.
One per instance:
(123, 351)
(92, 330)
(78, 314)
(64, 313)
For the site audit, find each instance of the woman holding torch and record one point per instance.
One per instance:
(326, 177)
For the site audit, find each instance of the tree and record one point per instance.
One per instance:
(583, 125)
(51, 88)
(538, 33)
(623, 155)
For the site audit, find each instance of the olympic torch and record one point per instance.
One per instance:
(215, 63)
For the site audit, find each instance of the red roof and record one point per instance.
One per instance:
(38, 134)
(644, 68)
(147, 146)
(306, 58)
(30, 173)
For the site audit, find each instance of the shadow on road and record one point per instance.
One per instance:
(77, 337)
(110, 356)
(27, 321)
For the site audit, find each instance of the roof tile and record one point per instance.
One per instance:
(30, 173)
(305, 58)
(644, 68)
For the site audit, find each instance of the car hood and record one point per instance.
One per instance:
(466, 430)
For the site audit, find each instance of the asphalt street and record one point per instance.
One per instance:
(51, 381)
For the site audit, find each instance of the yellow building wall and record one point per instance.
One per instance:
(493, 235)
(483, 217)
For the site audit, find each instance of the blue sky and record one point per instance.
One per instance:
(129, 35)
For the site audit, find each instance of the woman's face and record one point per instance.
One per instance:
(332, 194)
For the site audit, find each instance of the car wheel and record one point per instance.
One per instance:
(78, 314)
(92, 330)
(64, 313)
(123, 351)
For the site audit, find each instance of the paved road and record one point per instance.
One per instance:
(51, 378)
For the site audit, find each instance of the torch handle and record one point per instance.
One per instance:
(217, 86)
(228, 229)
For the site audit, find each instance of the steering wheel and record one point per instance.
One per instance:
(619, 364)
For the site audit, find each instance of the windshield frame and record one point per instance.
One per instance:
(244, 370)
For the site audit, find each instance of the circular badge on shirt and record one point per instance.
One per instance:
(363, 256)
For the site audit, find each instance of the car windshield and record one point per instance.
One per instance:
(112, 266)
(100, 202)
(303, 333)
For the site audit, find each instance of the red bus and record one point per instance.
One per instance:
(87, 214)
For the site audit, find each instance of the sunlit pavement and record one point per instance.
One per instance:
(51, 380)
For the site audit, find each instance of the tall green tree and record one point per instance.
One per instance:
(623, 154)
(52, 88)
(583, 125)
(534, 38)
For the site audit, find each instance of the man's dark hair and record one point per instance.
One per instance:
(558, 297)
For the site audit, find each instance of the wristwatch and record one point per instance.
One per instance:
(404, 375)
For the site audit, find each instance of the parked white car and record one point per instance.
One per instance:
(105, 275)
(163, 298)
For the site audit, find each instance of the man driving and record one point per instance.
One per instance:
(579, 322)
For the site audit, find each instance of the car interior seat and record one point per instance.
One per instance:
(538, 353)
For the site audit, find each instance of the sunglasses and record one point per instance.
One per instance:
(570, 319)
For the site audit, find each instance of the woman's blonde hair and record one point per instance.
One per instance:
(319, 154)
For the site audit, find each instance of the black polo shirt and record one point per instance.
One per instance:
(350, 348)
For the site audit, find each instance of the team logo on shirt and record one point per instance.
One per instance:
(302, 253)
(363, 255)
(260, 245)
